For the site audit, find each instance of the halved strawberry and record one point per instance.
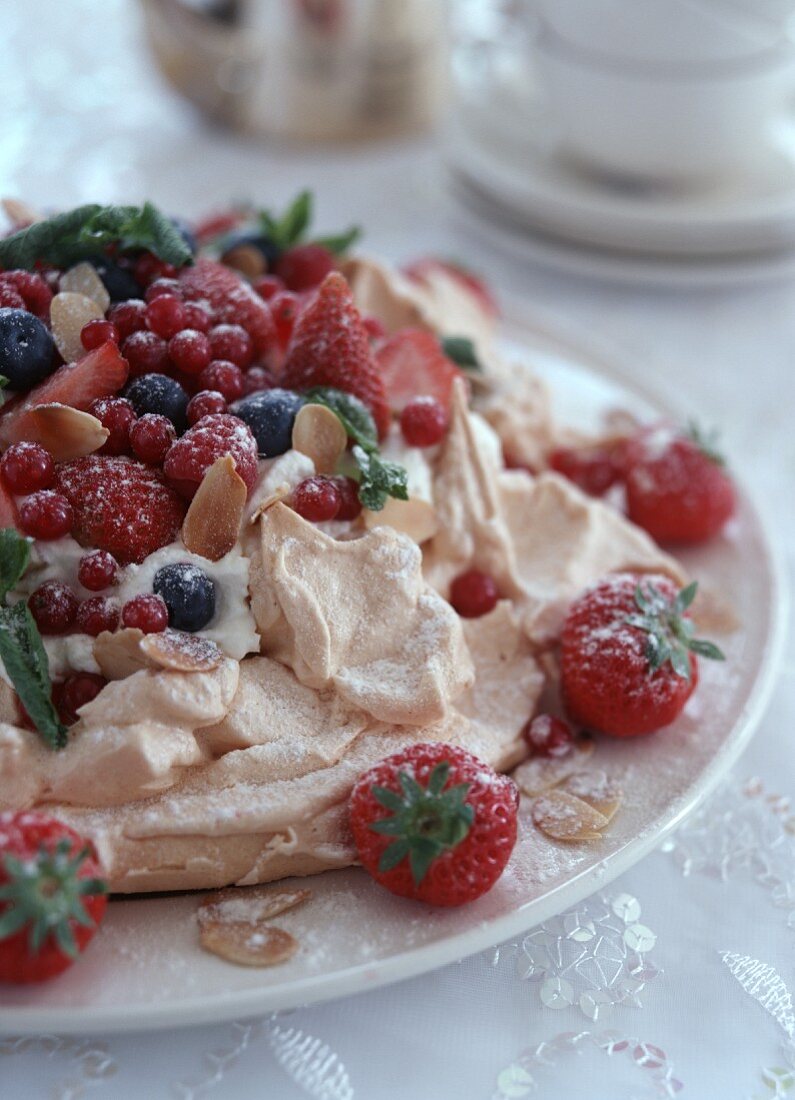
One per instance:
(231, 298)
(413, 365)
(100, 373)
(419, 270)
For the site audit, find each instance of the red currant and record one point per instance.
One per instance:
(423, 422)
(165, 316)
(98, 332)
(146, 353)
(159, 287)
(146, 613)
(257, 379)
(317, 499)
(197, 317)
(268, 285)
(305, 266)
(46, 515)
(53, 606)
(232, 344)
(118, 416)
(128, 317)
(149, 267)
(224, 377)
(350, 505)
(97, 570)
(284, 310)
(150, 438)
(205, 403)
(473, 594)
(548, 736)
(27, 467)
(189, 351)
(593, 469)
(374, 329)
(75, 691)
(97, 614)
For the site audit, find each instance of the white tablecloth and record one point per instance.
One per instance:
(709, 1016)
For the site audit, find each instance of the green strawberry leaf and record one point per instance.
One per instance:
(296, 220)
(669, 635)
(25, 660)
(462, 352)
(379, 479)
(14, 559)
(339, 243)
(706, 441)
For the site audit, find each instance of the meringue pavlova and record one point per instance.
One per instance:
(259, 534)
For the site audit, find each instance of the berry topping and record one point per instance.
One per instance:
(120, 505)
(118, 416)
(27, 349)
(150, 438)
(257, 379)
(413, 364)
(432, 822)
(350, 505)
(224, 377)
(33, 290)
(157, 393)
(145, 352)
(97, 570)
(205, 403)
(196, 317)
(165, 315)
(54, 606)
(473, 594)
(149, 267)
(98, 332)
(374, 329)
(118, 281)
(75, 692)
(548, 736)
(190, 351)
(128, 317)
(168, 288)
(267, 286)
(270, 415)
(27, 467)
(45, 515)
(593, 469)
(211, 438)
(232, 300)
(423, 271)
(232, 343)
(10, 298)
(317, 499)
(423, 422)
(97, 614)
(305, 266)
(189, 595)
(284, 311)
(146, 613)
(329, 347)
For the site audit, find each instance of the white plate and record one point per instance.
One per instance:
(145, 969)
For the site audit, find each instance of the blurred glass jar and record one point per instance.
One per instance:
(328, 70)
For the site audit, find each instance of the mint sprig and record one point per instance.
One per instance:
(89, 230)
(14, 559)
(291, 228)
(462, 352)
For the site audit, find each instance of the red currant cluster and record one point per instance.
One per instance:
(320, 498)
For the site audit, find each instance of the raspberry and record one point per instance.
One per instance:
(128, 317)
(118, 416)
(423, 422)
(165, 316)
(205, 403)
(75, 691)
(97, 614)
(27, 467)
(146, 353)
(317, 499)
(224, 377)
(120, 505)
(305, 266)
(32, 289)
(232, 343)
(257, 379)
(149, 267)
(473, 594)
(146, 613)
(267, 286)
(284, 310)
(214, 436)
(98, 332)
(160, 287)
(548, 736)
(46, 515)
(189, 351)
(150, 438)
(10, 298)
(53, 605)
(350, 505)
(231, 298)
(97, 570)
(197, 317)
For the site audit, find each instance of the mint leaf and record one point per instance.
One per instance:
(296, 221)
(339, 243)
(25, 660)
(355, 417)
(379, 479)
(462, 351)
(14, 558)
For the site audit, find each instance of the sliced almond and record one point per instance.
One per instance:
(416, 518)
(83, 279)
(563, 816)
(21, 213)
(180, 652)
(69, 312)
(318, 433)
(212, 525)
(119, 654)
(597, 789)
(67, 433)
(248, 944)
(246, 259)
(248, 905)
(540, 773)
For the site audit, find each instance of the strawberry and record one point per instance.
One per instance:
(678, 488)
(120, 505)
(434, 823)
(231, 298)
(52, 898)
(419, 270)
(100, 373)
(413, 365)
(212, 437)
(329, 347)
(628, 656)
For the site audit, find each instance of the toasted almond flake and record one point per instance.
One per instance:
(83, 279)
(246, 259)
(281, 492)
(248, 944)
(248, 905)
(69, 312)
(416, 518)
(597, 789)
(319, 434)
(67, 433)
(563, 816)
(212, 525)
(181, 652)
(713, 613)
(540, 773)
(119, 654)
(21, 213)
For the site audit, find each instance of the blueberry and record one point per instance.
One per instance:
(119, 282)
(258, 240)
(188, 593)
(270, 415)
(157, 393)
(26, 349)
(186, 233)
